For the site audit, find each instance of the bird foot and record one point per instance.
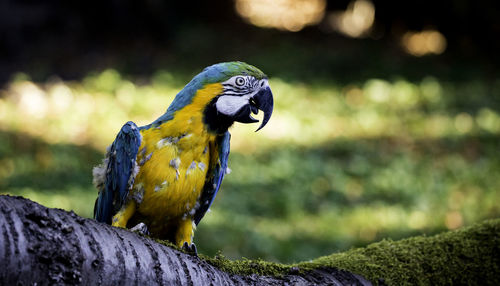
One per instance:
(141, 229)
(190, 249)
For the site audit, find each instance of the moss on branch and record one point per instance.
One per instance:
(468, 256)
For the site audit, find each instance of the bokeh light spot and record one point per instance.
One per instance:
(61, 98)
(290, 15)
(417, 220)
(488, 120)
(32, 99)
(354, 97)
(424, 42)
(378, 90)
(464, 122)
(453, 220)
(354, 190)
(354, 22)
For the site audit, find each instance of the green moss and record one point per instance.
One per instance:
(242, 267)
(467, 256)
(247, 266)
(166, 243)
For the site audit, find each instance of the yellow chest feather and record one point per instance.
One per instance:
(173, 162)
(172, 172)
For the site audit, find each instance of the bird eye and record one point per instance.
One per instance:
(240, 81)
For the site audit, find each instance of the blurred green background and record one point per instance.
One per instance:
(386, 121)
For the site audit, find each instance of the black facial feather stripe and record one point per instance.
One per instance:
(235, 94)
(226, 85)
(254, 83)
(232, 88)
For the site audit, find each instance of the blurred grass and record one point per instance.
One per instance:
(339, 164)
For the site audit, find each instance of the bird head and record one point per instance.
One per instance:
(245, 91)
(237, 90)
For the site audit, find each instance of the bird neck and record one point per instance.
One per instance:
(200, 114)
(202, 107)
(216, 122)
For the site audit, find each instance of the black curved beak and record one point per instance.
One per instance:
(262, 100)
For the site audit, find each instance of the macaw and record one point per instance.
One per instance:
(164, 176)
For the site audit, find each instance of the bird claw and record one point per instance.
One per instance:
(141, 229)
(190, 249)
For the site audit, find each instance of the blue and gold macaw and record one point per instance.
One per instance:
(166, 174)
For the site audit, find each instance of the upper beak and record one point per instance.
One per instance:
(263, 100)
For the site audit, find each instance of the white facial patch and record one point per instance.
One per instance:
(230, 104)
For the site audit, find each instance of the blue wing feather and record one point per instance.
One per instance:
(214, 181)
(120, 172)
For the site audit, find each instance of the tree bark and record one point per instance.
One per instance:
(41, 246)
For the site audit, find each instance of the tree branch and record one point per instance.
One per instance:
(52, 246)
